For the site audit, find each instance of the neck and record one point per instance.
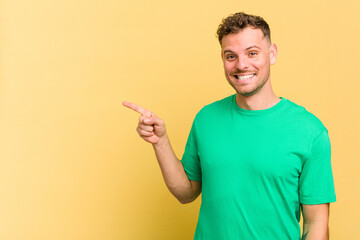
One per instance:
(263, 99)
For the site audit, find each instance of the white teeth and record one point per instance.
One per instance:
(246, 76)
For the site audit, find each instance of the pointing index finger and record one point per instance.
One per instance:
(136, 108)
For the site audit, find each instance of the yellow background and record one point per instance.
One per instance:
(71, 163)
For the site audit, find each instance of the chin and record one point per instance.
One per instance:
(248, 93)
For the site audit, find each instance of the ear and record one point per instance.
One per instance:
(222, 54)
(273, 53)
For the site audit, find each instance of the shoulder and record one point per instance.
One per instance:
(217, 108)
(305, 119)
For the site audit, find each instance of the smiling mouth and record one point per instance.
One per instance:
(244, 77)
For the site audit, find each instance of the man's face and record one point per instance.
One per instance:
(247, 56)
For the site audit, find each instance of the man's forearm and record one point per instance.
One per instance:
(315, 231)
(173, 171)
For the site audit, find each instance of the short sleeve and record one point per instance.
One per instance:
(190, 159)
(316, 184)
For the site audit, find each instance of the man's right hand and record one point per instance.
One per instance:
(151, 128)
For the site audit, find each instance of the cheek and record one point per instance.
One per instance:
(228, 67)
(261, 64)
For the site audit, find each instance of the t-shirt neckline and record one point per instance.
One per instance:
(257, 112)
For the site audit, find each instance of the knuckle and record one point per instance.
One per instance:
(144, 133)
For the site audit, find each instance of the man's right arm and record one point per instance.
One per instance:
(152, 129)
(180, 186)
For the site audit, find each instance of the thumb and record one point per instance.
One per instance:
(152, 119)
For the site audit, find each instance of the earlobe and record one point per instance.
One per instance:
(273, 53)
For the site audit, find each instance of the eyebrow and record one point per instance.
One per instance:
(254, 46)
(226, 51)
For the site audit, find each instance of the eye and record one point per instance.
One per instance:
(253, 54)
(230, 57)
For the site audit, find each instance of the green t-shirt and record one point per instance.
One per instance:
(256, 167)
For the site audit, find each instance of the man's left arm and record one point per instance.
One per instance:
(316, 221)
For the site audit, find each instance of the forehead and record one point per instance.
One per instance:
(244, 39)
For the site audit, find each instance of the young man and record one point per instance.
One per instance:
(257, 158)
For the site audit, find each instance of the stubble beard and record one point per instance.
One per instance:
(253, 91)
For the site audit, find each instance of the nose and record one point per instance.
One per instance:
(242, 63)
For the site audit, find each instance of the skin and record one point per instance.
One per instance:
(249, 52)
(316, 221)
(152, 129)
(243, 53)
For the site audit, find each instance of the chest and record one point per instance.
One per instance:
(252, 151)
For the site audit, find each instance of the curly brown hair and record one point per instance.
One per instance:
(238, 21)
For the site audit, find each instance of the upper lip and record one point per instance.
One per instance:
(237, 75)
(244, 74)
